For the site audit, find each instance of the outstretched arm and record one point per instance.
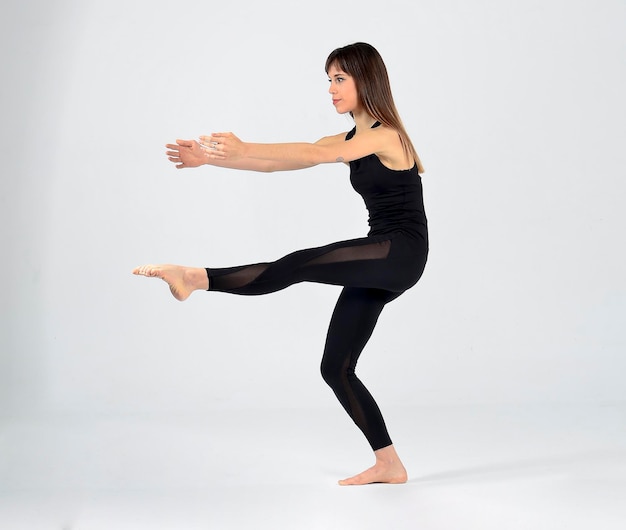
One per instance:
(227, 147)
(189, 153)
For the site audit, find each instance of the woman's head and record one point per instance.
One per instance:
(363, 63)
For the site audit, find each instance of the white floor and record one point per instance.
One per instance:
(474, 467)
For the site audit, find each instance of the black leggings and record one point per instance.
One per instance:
(374, 271)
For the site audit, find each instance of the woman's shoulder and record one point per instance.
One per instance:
(385, 130)
(392, 153)
(328, 140)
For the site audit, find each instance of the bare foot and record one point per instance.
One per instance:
(388, 469)
(182, 280)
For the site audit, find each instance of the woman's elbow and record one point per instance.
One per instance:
(321, 155)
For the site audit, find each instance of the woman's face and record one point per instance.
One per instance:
(343, 90)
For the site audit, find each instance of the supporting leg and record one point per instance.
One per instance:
(352, 324)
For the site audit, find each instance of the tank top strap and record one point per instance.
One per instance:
(353, 131)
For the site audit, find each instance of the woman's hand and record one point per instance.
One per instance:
(222, 146)
(186, 153)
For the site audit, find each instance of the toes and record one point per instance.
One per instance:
(374, 476)
(145, 270)
(352, 481)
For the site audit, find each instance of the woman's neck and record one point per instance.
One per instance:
(362, 120)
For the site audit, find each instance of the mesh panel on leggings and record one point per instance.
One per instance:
(239, 277)
(355, 253)
(356, 262)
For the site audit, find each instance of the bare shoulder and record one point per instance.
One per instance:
(391, 152)
(328, 140)
(385, 132)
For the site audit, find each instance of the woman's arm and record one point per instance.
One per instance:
(227, 147)
(189, 153)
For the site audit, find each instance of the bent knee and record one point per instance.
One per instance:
(331, 372)
(335, 373)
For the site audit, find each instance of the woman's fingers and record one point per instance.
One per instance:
(215, 138)
(211, 144)
(213, 147)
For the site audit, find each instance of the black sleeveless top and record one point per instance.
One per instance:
(394, 198)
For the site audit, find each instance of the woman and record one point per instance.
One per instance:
(374, 270)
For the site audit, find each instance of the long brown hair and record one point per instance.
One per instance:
(363, 62)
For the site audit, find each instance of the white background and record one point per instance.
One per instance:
(517, 109)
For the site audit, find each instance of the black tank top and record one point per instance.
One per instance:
(394, 198)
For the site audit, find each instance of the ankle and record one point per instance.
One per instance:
(387, 455)
(197, 278)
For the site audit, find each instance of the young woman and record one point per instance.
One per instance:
(373, 270)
